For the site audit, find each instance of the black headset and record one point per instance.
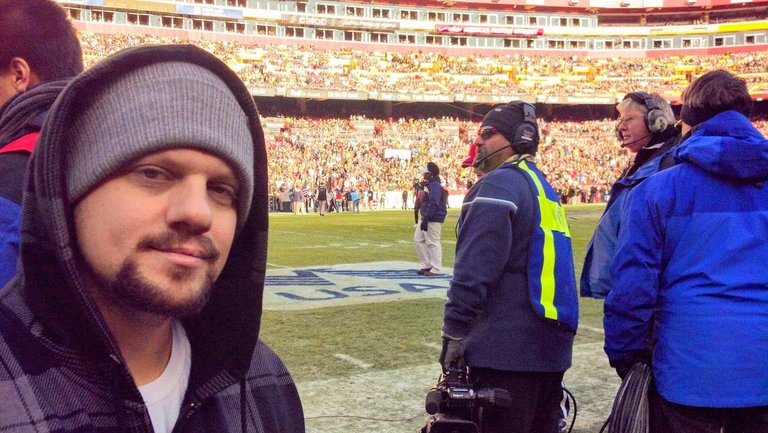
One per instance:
(527, 132)
(655, 120)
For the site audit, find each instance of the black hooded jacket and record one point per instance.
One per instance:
(61, 368)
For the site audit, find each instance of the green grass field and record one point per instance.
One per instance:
(396, 342)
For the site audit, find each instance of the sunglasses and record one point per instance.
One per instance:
(487, 132)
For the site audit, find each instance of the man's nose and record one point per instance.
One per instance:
(190, 205)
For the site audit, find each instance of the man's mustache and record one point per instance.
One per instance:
(177, 240)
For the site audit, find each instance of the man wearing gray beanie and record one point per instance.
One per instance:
(512, 308)
(144, 232)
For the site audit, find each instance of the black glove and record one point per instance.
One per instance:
(424, 225)
(452, 354)
(623, 367)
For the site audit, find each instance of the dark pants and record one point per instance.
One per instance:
(670, 417)
(535, 400)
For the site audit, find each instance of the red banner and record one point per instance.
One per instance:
(496, 31)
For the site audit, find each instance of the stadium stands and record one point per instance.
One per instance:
(290, 67)
(581, 158)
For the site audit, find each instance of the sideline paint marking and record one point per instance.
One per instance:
(433, 345)
(593, 329)
(353, 361)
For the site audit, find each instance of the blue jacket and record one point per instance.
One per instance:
(13, 166)
(433, 209)
(691, 272)
(489, 302)
(595, 274)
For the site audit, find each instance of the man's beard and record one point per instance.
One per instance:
(130, 289)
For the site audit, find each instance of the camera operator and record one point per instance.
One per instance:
(512, 308)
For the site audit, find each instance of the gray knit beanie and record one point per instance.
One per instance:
(157, 107)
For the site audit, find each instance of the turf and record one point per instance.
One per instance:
(390, 336)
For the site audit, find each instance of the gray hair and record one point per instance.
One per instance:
(656, 100)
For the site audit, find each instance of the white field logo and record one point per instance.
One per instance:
(326, 286)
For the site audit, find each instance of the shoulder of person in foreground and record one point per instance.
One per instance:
(274, 392)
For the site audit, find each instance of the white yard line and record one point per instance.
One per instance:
(433, 345)
(279, 266)
(353, 361)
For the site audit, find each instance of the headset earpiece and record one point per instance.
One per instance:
(656, 121)
(527, 132)
(654, 115)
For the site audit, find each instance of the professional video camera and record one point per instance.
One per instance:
(457, 407)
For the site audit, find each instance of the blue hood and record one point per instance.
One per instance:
(727, 145)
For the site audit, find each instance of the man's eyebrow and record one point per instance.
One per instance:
(229, 177)
(222, 174)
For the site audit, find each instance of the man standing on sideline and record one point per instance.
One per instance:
(39, 51)
(322, 198)
(512, 307)
(433, 211)
(646, 127)
(137, 302)
(690, 275)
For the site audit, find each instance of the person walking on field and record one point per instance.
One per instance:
(433, 211)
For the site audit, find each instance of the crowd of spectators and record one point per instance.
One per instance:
(373, 156)
(580, 159)
(308, 67)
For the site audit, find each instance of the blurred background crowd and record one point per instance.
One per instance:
(420, 72)
(374, 156)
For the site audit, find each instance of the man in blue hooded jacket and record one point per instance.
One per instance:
(689, 274)
(646, 128)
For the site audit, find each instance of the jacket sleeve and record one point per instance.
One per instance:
(482, 250)
(636, 270)
(433, 196)
(596, 274)
(274, 394)
(10, 216)
(13, 167)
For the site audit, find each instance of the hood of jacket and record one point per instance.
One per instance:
(224, 335)
(25, 112)
(727, 145)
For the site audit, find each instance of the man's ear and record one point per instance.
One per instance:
(22, 77)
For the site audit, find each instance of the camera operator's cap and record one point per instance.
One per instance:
(505, 118)
(423, 170)
(156, 107)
